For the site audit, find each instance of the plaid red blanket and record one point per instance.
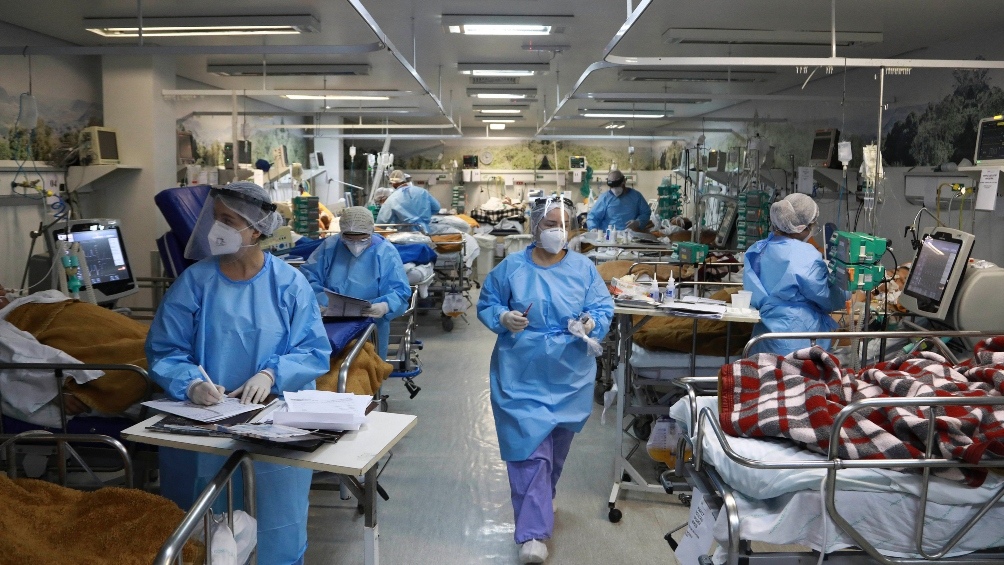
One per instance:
(797, 397)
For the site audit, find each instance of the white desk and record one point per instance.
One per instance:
(626, 477)
(356, 453)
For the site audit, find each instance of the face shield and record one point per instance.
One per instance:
(550, 221)
(247, 200)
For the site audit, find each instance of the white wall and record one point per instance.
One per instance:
(330, 143)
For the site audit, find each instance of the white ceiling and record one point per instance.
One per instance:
(414, 27)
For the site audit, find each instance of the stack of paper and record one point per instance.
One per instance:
(322, 410)
(226, 408)
(340, 306)
(694, 309)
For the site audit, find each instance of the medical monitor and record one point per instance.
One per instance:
(188, 151)
(824, 149)
(243, 153)
(936, 273)
(990, 143)
(102, 245)
(99, 146)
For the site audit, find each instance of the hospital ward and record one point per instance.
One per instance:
(340, 282)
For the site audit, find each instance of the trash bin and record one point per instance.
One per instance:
(486, 259)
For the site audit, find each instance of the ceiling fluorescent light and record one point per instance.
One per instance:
(721, 36)
(282, 69)
(496, 126)
(498, 93)
(520, 104)
(614, 125)
(187, 26)
(623, 115)
(499, 121)
(501, 111)
(494, 24)
(503, 69)
(334, 97)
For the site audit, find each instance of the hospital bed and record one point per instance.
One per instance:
(776, 492)
(57, 528)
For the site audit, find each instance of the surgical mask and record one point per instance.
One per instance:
(553, 240)
(357, 247)
(617, 190)
(224, 240)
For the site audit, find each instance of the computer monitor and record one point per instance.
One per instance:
(990, 143)
(188, 150)
(824, 149)
(99, 146)
(317, 160)
(107, 262)
(243, 153)
(936, 273)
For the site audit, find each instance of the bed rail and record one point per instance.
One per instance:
(62, 441)
(343, 372)
(813, 337)
(201, 513)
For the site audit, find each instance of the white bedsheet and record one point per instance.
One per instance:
(784, 506)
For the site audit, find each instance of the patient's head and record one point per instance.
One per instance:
(3, 297)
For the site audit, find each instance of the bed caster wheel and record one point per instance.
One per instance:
(615, 515)
(412, 388)
(672, 542)
(447, 324)
(685, 499)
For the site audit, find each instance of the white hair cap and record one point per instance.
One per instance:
(794, 213)
(396, 176)
(252, 203)
(356, 219)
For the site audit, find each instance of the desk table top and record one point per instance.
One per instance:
(732, 314)
(354, 454)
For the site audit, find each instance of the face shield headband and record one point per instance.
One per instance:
(222, 191)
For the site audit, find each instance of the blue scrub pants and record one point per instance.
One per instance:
(533, 483)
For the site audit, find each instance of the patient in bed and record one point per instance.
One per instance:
(48, 327)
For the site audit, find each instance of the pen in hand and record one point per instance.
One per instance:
(216, 388)
(527, 311)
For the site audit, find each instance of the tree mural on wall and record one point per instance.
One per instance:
(946, 131)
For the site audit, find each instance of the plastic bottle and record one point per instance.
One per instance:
(670, 293)
(653, 292)
(609, 236)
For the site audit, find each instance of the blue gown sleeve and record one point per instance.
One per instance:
(386, 213)
(596, 218)
(394, 287)
(316, 269)
(433, 203)
(644, 211)
(598, 304)
(169, 344)
(494, 300)
(815, 286)
(309, 349)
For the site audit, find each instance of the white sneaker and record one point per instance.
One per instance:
(533, 551)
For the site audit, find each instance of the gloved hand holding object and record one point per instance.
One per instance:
(577, 327)
(255, 389)
(205, 393)
(376, 310)
(514, 321)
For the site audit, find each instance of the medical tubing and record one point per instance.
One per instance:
(86, 273)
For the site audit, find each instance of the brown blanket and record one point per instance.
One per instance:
(675, 334)
(91, 334)
(618, 269)
(366, 373)
(43, 523)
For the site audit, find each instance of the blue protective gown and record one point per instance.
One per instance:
(376, 275)
(408, 205)
(542, 377)
(235, 329)
(618, 210)
(788, 279)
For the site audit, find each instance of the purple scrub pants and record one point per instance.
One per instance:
(533, 483)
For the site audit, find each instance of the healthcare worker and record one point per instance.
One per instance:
(408, 204)
(252, 323)
(621, 206)
(788, 278)
(361, 264)
(541, 375)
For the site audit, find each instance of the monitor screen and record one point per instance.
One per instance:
(824, 146)
(932, 269)
(108, 146)
(107, 262)
(990, 141)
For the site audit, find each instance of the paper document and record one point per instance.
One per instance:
(225, 409)
(266, 431)
(340, 305)
(696, 310)
(322, 410)
(986, 197)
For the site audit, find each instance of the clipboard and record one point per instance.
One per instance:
(342, 306)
